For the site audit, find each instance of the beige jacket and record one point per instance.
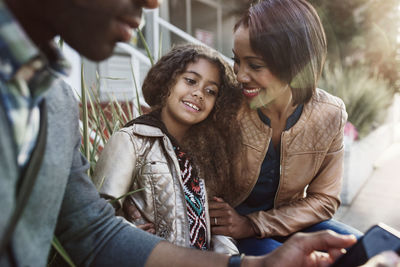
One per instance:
(311, 166)
(142, 157)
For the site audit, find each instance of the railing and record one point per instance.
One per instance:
(140, 62)
(158, 21)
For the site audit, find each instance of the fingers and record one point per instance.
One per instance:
(220, 221)
(131, 211)
(220, 213)
(336, 253)
(323, 240)
(218, 205)
(321, 258)
(218, 199)
(148, 227)
(221, 230)
(148, 3)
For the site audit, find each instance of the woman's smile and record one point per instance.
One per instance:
(251, 92)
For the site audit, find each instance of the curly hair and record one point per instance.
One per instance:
(214, 142)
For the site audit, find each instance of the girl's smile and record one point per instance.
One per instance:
(192, 97)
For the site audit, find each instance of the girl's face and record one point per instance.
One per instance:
(259, 86)
(193, 95)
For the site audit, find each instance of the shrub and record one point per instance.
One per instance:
(366, 96)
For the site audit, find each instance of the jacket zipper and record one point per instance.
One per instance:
(280, 169)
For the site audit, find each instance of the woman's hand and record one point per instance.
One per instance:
(132, 214)
(226, 221)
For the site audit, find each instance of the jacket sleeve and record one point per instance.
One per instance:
(322, 195)
(115, 168)
(88, 229)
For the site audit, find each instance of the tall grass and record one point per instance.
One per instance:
(366, 96)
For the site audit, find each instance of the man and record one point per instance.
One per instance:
(43, 187)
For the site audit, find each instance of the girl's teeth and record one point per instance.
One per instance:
(192, 106)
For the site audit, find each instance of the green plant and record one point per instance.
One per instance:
(366, 96)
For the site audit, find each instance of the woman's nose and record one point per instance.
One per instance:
(242, 76)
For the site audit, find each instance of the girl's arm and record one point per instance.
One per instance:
(115, 167)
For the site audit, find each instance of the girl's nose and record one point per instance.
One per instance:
(198, 92)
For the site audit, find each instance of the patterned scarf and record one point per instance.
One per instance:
(195, 200)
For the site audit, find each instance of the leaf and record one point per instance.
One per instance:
(125, 195)
(59, 248)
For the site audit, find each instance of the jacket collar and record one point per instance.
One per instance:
(155, 126)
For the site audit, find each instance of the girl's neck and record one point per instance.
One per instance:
(177, 130)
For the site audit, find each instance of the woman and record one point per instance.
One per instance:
(194, 100)
(292, 132)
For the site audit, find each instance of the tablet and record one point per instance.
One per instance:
(377, 239)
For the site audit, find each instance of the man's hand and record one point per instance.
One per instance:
(132, 214)
(303, 249)
(226, 221)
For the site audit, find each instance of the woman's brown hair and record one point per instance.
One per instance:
(214, 142)
(289, 36)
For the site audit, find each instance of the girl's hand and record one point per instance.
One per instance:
(148, 227)
(132, 214)
(226, 221)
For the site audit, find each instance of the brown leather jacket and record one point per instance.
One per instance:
(311, 166)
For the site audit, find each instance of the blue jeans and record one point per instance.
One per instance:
(256, 247)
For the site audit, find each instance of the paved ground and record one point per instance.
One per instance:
(379, 199)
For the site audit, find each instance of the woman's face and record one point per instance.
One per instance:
(259, 86)
(193, 95)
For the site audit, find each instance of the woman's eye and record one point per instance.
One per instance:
(190, 81)
(235, 60)
(255, 66)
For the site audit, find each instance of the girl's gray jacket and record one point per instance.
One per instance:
(142, 157)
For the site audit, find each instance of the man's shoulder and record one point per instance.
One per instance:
(61, 93)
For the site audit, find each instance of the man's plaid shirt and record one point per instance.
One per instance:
(25, 75)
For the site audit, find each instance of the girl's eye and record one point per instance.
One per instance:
(211, 92)
(190, 81)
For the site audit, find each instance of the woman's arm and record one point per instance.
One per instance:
(321, 201)
(320, 204)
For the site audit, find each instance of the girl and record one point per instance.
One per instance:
(290, 178)
(194, 101)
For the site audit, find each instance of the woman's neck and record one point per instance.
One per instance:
(281, 107)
